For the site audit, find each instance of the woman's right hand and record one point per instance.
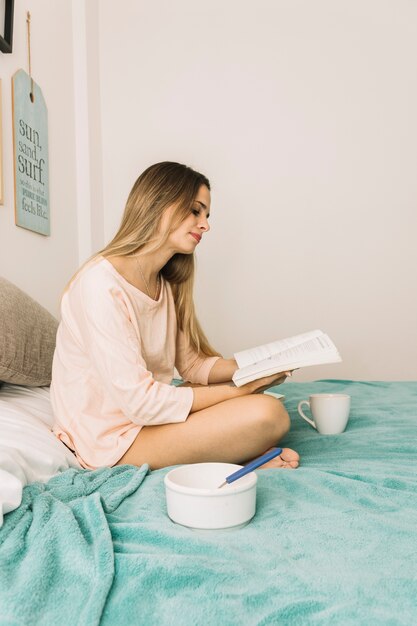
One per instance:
(260, 385)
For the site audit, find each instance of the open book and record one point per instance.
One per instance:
(313, 348)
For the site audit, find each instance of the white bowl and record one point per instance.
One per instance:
(194, 500)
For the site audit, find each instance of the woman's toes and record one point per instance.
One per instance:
(288, 459)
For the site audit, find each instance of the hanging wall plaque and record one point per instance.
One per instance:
(31, 163)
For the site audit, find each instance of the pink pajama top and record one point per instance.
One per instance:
(113, 364)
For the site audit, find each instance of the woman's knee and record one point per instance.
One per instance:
(272, 416)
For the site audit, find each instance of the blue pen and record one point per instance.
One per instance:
(251, 466)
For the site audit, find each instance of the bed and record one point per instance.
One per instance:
(333, 542)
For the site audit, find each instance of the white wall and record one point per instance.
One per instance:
(303, 116)
(37, 264)
(88, 131)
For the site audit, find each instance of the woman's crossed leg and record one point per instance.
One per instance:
(233, 431)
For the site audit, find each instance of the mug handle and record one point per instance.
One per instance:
(307, 419)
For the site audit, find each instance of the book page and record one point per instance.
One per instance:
(316, 350)
(260, 353)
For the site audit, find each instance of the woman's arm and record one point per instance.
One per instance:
(222, 371)
(215, 393)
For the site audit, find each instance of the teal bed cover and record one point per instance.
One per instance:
(333, 542)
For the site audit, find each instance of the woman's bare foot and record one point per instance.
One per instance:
(288, 459)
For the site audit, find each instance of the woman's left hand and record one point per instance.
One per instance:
(270, 381)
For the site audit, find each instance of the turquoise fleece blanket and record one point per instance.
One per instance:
(333, 542)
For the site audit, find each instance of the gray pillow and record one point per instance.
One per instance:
(27, 338)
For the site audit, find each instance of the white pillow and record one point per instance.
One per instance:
(29, 451)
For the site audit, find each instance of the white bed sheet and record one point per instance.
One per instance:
(29, 451)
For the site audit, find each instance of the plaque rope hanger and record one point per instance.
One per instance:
(32, 94)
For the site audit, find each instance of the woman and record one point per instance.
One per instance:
(127, 317)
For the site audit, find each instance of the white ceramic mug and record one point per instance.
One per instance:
(330, 412)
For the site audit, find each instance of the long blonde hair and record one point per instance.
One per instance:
(158, 187)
